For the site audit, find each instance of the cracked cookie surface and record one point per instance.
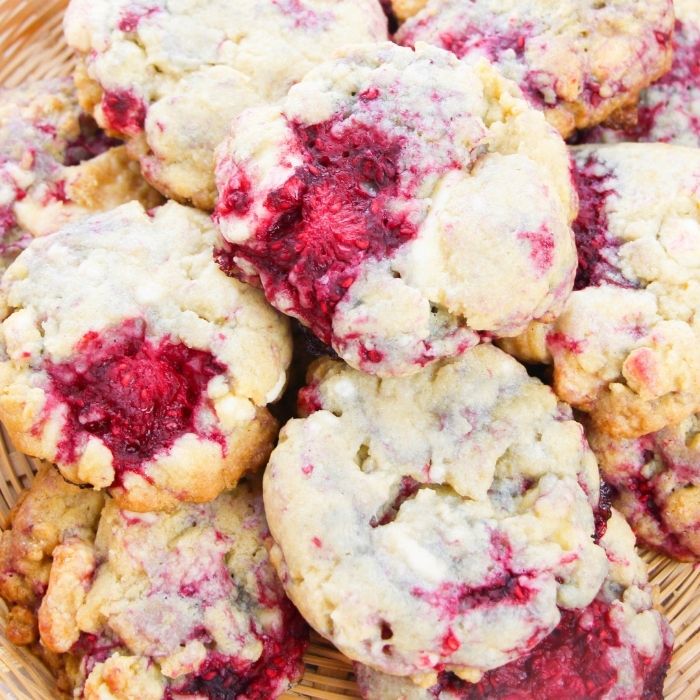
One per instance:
(132, 362)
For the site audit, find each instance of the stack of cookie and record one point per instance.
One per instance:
(421, 499)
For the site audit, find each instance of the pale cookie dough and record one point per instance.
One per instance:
(131, 361)
(170, 76)
(434, 522)
(625, 347)
(167, 606)
(618, 648)
(657, 479)
(49, 513)
(402, 205)
(578, 61)
(669, 110)
(56, 165)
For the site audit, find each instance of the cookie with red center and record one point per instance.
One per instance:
(625, 346)
(165, 606)
(169, 77)
(434, 522)
(577, 61)
(56, 165)
(657, 481)
(400, 204)
(617, 648)
(669, 110)
(132, 362)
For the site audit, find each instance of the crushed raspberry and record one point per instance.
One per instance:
(227, 678)
(603, 511)
(325, 221)
(541, 248)
(572, 662)
(130, 19)
(596, 250)
(136, 397)
(91, 142)
(125, 113)
(407, 489)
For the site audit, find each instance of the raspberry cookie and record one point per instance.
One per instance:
(167, 606)
(669, 110)
(617, 648)
(56, 165)
(657, 479)
(401, 204)
(129, 359)
(578, 61)
(170, 76)
(436, 522)
(52, 512)
(626, 346)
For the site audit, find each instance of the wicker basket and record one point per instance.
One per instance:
(32, 47)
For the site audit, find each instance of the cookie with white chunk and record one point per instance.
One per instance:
(132, 362)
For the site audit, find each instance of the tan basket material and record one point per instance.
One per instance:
(32, 47)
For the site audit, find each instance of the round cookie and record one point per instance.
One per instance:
(669, 110)
(657, 479)
(56, 165)
(625, 348)
(369, 204)
(131, 361)
(618, 648)
(50, 513)
(438, 521)
(166, 606)
(170, 76)
(577, 61)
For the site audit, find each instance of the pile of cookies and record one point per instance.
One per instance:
(315, 319)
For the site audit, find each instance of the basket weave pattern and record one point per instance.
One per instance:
(32, 47)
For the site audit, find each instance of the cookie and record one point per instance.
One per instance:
(185, 604)
(438, 521)
(657, 480)
(56, 165)
(578, 61)
(169, 77)
(401, 204)
(625, 346)
(618, 648)
(132, 362)
(669, 110)
(50, 513)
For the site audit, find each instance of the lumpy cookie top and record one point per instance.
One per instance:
(369, 204)
(56, 165)
(49, 513)
(578, 61)
(669, 110)
(625, 347)
(434, 522)
(166, 606)
(618, 648)
(657, 479)
(130, 360)
(171, 75)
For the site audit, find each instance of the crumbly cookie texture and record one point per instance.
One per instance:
(131, 361)
(578, 61)
(49, 513)
(169, 76)
(56, 165)
(166, 606)
(401, 204)
(618, 648)
(625, 346)
(438, 521)
(657, 479)
(669, 110)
